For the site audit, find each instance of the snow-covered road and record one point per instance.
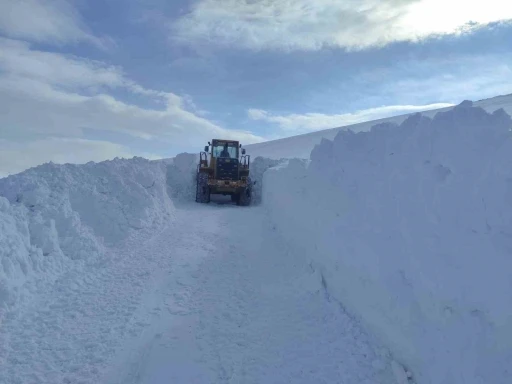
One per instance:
(215, 297)
(408, 226)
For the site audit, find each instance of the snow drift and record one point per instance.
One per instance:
(53, 217)
(411, 226)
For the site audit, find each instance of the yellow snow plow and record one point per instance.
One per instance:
(223, 169)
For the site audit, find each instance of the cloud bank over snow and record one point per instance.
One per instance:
(307, 25)
(302, 123)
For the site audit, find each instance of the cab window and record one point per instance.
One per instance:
(220, 150)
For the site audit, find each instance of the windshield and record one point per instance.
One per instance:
(223, 149)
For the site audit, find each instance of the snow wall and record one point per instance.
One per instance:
(411, 226)
(55, 217)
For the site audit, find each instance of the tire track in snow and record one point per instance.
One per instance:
(215, 298)
(259, 314)
(171, 293)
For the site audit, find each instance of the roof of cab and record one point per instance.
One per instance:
(225, 140)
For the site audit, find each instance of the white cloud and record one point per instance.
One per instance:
(51, 21)
(258, 114)
(56, 112)
(46, 95)
(311, 25)
(302, 123)
(17, 59)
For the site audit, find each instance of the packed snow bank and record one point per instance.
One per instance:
(53, 216)
(411, 226)
(26, 246)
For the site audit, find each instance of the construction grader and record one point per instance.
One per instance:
(223, 169)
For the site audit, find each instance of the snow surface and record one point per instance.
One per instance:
(233, 308)
(411, 228)
(384, 257)
(210, 295)
(300, 146)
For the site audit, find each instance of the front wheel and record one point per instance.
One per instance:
(202, 188)
(245, 196)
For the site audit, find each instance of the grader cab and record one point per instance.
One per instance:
(223, 169)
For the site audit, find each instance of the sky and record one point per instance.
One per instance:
(93, 80)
